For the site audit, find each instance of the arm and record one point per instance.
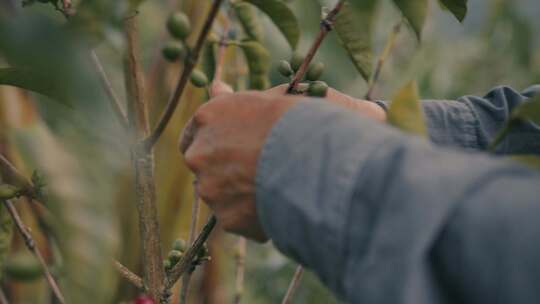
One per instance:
(387, 218)
(471, 122)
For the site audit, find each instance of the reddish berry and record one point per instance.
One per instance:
(143, 300)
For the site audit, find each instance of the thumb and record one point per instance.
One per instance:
(219, 87)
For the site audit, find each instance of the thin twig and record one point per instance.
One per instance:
(220, 59)
(326, 27)
(192, 232)
(130, 276)
(186, 262)
(115, 103)
(14, 176)
(31, 245)
(388, 48)
(293, 285)
(191, 62)
(240, 269)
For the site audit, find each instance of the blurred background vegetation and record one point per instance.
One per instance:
(82, 151)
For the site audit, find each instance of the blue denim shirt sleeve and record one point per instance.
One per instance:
(471, 122)
(384, 217)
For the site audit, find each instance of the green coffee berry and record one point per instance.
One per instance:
(180, 245)
(8, 191)
(315, 71)
(285, 69)
(167, 264)
(317, 89)
(199, 79)
(179, 25)
(173, 50)
(296, 61)
(174, 256)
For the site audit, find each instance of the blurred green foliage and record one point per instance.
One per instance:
(82, 150)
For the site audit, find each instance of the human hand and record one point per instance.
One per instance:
(222, 142)
(362, 107)
(221, 145)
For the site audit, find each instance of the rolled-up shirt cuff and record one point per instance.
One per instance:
(450, 123)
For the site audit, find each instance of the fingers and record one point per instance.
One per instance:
(188, 135)
(219, 87)
(278, 90)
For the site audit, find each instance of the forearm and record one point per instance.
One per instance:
(364, 205)
(472, 122)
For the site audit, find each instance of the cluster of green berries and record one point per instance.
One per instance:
(178, 250)
(179, 27)
(315, 87)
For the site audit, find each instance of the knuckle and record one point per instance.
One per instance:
(193, 160)
(208, 191)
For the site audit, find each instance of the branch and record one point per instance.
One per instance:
(130, 276)
(143, 164)
(293, 285)
(186, 262)
(107, 86)
(31, 245)
(390, 43)
(240, 269)
(326, 27)
(190, 64)
(192, 228)
(14, 176)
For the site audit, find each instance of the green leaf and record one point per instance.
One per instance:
(247, 15)
(6, 233)
(532, 161)
(529, 110)
(354, 28)
(283, 18)
(258, 60)
(32, 80)
(406, 112)
(457, 7)
(415, 11)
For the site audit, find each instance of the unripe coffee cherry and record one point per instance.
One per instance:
(173, 50)
(285, 69)
(317, 89)
(167, 264)
(179, 25)
(199, 79)
(315, 71)
(180, 245)
(8, 191)
(174, 256)
(296, 61)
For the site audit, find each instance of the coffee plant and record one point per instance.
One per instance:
(57, 58)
